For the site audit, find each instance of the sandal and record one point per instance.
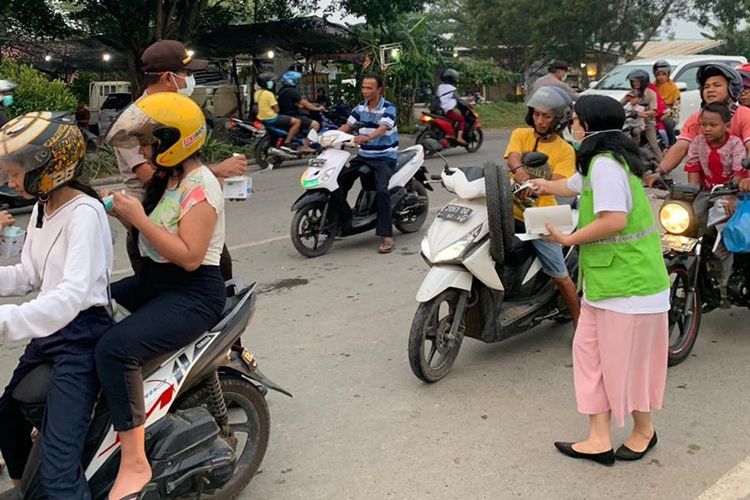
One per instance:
(386, 246)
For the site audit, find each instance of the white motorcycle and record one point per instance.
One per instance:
(322, 212)
(207, 420)
(483, 282)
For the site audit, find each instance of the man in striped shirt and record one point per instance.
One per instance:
(378, 140)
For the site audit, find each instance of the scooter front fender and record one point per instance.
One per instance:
(310, 197)
(441, 278)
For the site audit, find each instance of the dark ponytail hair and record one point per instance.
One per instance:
(599, 113)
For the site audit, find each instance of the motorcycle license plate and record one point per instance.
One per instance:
(455, 213)
(678, 243)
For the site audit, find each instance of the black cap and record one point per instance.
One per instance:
(169, 55)
(557, 64)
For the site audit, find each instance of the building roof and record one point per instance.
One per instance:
(666, 48)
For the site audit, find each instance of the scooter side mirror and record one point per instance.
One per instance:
(432, 145)
(534, 159)
(746, 163)
(91, 140)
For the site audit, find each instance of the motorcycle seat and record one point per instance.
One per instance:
(472, 173)
(33, 387)
(404, 157)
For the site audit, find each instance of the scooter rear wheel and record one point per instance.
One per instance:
(262, 156)
(411, 222)
(429, 337)
(307, 237)
(250, 422)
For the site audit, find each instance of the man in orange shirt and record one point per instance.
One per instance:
(670, 94)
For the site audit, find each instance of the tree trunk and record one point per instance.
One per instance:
(652, 31)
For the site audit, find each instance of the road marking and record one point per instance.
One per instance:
(242, 246)
(735, 484)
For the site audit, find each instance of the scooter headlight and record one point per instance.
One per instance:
(676, 217)
(456, 251)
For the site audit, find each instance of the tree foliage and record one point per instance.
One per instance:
(381, 12)
(34, 91)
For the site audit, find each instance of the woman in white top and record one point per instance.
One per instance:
(446, 92)
(67, 259)
(179, 292)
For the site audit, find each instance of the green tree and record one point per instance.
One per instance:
(381, 12)
(34, 91)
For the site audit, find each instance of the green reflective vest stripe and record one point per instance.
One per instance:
(629, 263)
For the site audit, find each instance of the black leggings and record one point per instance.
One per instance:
(170, 307)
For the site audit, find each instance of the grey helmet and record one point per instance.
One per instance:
(662, 65)
(449, 76)
(6, 86)
(551, 100)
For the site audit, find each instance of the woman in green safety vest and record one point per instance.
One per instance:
(620, 345)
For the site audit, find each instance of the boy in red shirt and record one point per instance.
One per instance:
(715, 157)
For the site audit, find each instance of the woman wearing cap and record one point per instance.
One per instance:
(620, 345)
(67, 258)
(179, 292)
(719, 84)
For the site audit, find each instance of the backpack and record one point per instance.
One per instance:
(435, 107)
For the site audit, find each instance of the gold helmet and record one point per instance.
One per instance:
(48, 146)
(173, 123)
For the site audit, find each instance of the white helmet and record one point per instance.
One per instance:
(6, 86)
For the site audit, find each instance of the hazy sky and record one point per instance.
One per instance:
(683, 30)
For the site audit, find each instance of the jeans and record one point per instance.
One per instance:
(382, 170)
(170, 307)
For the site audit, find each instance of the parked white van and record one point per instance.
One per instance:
(684, 69)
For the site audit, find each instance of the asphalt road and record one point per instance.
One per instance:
(333, 330)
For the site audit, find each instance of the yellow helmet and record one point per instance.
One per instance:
(173, 123)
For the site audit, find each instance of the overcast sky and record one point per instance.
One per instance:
(683, 30)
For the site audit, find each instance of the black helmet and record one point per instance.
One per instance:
(715, 69)
(266, 78)
(557, 64)
(552, 100)
(449, 76)
(662, 65)
(638, 75)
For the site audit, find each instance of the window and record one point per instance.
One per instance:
(617, 79)
(687, 76)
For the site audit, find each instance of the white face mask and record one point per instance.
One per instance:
(576, 143)
(187, 91)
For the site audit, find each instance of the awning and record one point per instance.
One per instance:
(667, 48)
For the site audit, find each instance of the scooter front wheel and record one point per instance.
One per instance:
(310, 236)
(684, 315)
(433, 347)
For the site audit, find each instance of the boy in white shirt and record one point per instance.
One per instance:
(635, 124)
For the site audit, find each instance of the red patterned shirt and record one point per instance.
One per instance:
(716, 164)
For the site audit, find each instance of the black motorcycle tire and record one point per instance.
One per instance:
(681, 347)
(499, 211)
(412, 226)
(474, 140)
(422, 137)
(238, 391)
(261, 154)
(420, 366)
(297, 220)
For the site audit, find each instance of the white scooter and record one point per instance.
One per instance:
(322, 212)
(483, 282)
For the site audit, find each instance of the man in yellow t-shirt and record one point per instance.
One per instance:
(550, 111)
(268, 110)
(670, 94)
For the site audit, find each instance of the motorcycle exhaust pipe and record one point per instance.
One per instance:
(282, 154)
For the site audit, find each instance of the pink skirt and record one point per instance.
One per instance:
(619, 362)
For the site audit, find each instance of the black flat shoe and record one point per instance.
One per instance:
(625, 453)
(604, 458)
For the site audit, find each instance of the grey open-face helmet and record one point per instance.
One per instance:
(551, 100)
(6, 87)
(449, 76)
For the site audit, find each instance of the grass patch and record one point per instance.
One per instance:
(502, 114)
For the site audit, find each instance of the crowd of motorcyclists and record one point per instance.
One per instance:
(173, 209)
